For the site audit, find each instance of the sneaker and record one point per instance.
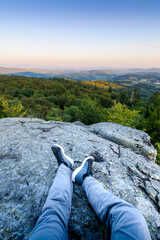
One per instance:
(61, 156)
(83, 171)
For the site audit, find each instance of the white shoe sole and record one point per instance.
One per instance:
(79, 168)
(64, 155)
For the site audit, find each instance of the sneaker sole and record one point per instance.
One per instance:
(79, 168)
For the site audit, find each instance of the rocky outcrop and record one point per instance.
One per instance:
(137, 140)
(124, 163)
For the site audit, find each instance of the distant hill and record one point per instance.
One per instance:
(31, 74)
(85, 75)
(147, 84)
(146, 80)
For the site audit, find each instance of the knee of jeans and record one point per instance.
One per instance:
(133, 214)
(125, 210)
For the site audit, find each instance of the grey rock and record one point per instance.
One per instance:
(127, 137)
(28, 167)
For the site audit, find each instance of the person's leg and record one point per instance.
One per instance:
(122, 219)
(53, 222)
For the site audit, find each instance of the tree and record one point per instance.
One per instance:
(8, 109)
(120, 114)
(153, 121)
(15, 92)
(60, 101)
(110, 89)
(59, 89)
(55, 114)
(106, 102)
(71, 114)
(1, 110)
(91, 112)
(157, 145)
(134, 96)
(123, 97)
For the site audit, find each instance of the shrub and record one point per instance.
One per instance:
(120, 114)
(11, 108)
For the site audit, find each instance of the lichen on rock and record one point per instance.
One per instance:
(124, 164)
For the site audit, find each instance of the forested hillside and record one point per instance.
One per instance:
(69, 100)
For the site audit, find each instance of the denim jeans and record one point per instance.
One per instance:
(122, 219)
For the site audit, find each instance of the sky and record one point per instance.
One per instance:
(80, 33)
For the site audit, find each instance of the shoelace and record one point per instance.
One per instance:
(60, 156)
(89, 167)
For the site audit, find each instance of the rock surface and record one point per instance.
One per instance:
(124, 163)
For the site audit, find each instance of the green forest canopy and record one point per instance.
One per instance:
(68, 100)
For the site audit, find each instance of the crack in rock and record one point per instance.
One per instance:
(28, 168)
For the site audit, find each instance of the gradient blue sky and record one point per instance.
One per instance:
(80, 33)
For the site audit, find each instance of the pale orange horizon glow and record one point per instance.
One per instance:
(129, 55)
(80, 34)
